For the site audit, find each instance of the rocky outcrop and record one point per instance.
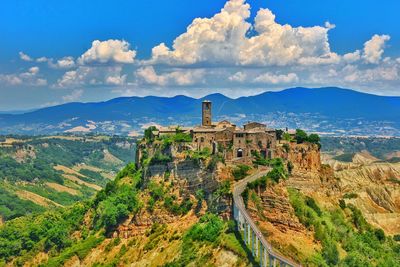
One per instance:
(277, 209)
(304, 157)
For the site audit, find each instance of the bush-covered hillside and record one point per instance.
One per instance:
(47, 171)
(71, 234)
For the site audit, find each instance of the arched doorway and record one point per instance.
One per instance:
(239, 153)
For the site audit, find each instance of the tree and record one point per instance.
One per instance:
(314, 138)
(148, 133)
(279, 134)
(301, 136)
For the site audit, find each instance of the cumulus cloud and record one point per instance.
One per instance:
(227, 51)
(29, 77)
(270, 78)
(374, 48)
(178, 77)
(24, 56)
(352, 57)
(88, 75)
(73, 96)
(116, 80)
(222, 39)
(65, 63)
(42, 59)
(238, 77)
(108, 51)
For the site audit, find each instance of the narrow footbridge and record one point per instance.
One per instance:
(261, 250)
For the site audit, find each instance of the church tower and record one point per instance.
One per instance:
(206, 116)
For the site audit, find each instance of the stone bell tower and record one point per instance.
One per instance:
(206, 113)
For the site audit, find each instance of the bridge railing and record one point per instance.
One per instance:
(261, 250)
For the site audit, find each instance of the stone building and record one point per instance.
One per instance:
(237, 144)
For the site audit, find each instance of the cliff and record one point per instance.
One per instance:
(166, 210)
(306, 157)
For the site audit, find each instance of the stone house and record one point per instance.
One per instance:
(237, 144)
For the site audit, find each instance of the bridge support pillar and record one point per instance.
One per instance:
(257, 248)
(265, 257)
(271, 261)
(248, 234)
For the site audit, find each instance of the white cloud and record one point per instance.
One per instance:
(10, 79)
(222, 40)
(24, 56)
(65, 63)
(270, 78)
(180, 77)
(29, 77)
(88, 75)
(243, 56)
(108, 51)
(238, 77)
(374, 48)
(42, 59)
(75, 95)
(352, 57)
(116, 80)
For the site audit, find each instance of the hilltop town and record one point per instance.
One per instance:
(238, 144)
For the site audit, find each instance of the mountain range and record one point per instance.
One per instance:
(329, 110)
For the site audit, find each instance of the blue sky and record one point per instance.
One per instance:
(47, 54)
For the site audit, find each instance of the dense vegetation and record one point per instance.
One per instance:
(344, 229)
(302, 137)
(12, 207)
(52, 231)
(209, 232)
(27, 164)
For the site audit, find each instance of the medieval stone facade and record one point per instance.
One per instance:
(237, 144)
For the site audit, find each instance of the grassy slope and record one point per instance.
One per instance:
(346, 238)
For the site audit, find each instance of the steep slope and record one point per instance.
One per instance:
(166, 212)
(374, 188)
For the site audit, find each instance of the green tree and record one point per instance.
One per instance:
(148, 133)
(279, 134)
(314, 138)
(301, 136)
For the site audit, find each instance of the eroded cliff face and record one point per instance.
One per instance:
(373, 187)
(305, 157)
(184, 178)
(272, 211)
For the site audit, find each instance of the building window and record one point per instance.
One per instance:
(239, 153)
(202, 139)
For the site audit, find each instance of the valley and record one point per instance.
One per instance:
(174, 208)
(43, 172)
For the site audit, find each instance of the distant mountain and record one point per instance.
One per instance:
(342, 109)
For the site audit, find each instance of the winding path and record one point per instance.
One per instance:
(262, 250)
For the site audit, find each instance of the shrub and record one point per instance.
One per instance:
(350, 195)
(301, 136)
(207, 229)
(148, 133)
(396, 238)
(160, 158)
(314, 138)
(240, 171)
(380, 234)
